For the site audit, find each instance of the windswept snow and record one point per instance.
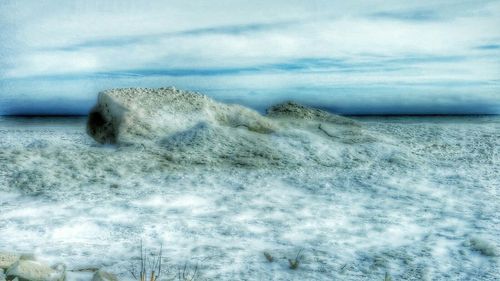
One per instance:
(416, 198)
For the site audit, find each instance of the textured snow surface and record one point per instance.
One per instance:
(417, 198)
(190, 128)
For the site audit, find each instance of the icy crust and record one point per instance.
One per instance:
(190, 128)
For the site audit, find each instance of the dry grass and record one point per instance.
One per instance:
(294, 263)
(187, 274)
(151, 268)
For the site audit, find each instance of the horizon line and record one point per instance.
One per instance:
(347, 115)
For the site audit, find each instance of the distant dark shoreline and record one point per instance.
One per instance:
(419, 115)
(43, 116)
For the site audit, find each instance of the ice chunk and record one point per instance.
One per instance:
(101, 275)
(36, 271)
(140, 115)
(7, 259)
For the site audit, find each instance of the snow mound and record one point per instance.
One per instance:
(190, 128)
(140, 115)
(292, 109)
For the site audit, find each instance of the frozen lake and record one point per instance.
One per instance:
(423, 207)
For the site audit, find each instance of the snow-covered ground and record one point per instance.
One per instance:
(419, 201)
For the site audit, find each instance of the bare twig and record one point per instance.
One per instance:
(294, 264)
(151, 265)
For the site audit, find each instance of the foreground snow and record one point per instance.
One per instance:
(420, 202)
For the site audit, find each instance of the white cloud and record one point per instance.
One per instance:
(365, 43)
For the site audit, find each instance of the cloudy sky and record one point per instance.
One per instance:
(353, 57)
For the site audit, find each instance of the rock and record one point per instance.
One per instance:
(139, 115)
(2, 275)
(35, 271)
(7, 259)
(101, 275)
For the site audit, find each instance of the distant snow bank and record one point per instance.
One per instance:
(191, 128)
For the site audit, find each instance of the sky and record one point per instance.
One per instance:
(350, 57)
